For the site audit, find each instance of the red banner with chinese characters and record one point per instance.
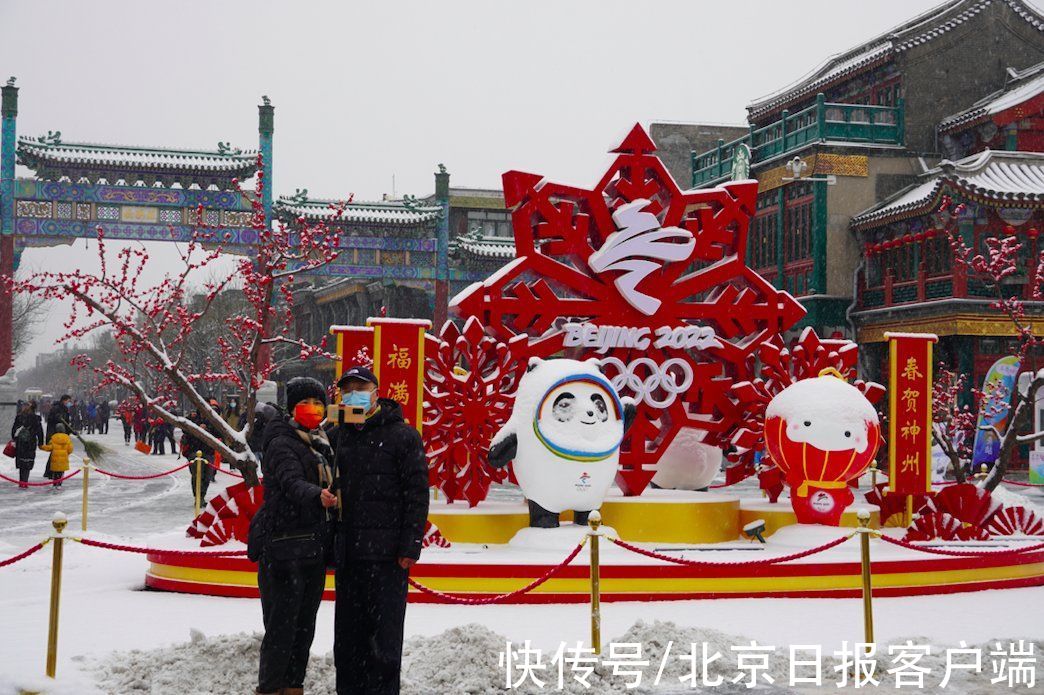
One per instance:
(910, 413)
(354, 347)
(398, 349)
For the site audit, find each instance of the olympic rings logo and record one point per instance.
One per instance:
(673, 378)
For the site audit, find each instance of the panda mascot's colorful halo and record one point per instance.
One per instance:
(573, 419)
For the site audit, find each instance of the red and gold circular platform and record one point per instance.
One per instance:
(697, 526)
(641, 581)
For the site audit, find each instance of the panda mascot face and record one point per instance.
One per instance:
(580, 418)
(563, 435)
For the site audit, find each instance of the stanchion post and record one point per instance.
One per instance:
(199, 478)
(594, 521)
(86, 485)
(864, 552)
(59, 522)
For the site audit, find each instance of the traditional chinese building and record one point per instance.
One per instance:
(481, 240)
(865, 124)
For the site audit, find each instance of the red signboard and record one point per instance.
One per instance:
(354, 347)
(910, 413)
(398, 349)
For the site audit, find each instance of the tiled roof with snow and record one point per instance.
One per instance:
(914, 32)
(37, 152)
(1022, 86)
(385, 212)
(487, 247)
(1004, 177)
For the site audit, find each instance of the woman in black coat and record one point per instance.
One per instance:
(27, 433)
(290, 536)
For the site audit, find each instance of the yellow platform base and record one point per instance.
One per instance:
(781, 514)
(657, 516)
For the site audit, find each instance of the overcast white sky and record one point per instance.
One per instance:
(367, 90)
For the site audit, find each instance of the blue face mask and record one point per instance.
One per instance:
(356, 399)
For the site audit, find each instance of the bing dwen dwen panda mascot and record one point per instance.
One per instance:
(564, 437)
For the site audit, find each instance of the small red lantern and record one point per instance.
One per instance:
(821, 432)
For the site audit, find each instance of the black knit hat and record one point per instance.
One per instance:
(302, 387)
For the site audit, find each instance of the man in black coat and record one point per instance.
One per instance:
(384, 495)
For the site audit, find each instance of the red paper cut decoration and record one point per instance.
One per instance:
(470, 384)
(653, 282)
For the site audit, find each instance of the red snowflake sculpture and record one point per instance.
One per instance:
(470, 384)
(780, 367)
(652, 281)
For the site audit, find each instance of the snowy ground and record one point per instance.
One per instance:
(105, 609)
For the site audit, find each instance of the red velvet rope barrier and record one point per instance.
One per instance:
(49, 482)
(751, 563)
(132, 549)
(141, 477)
(501, 598)
(22, 556)
(961, 553)
(219, 469)
(1015, 482)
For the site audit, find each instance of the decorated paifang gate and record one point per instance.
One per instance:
(648, 284)
(165, 194)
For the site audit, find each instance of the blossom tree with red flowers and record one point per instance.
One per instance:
(993, 268)
(152, 324)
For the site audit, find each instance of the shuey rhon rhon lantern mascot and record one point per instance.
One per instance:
(564, 437)
(821, 432)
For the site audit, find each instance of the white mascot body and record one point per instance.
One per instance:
(564, 437)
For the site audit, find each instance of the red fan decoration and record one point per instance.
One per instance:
(941, 526)
(1014, 521)
(219, 533)
(967, 503)
(235, 506)
(893, 507)
(432, 536)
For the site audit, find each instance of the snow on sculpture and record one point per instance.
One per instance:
(564, 437)
(822, 432)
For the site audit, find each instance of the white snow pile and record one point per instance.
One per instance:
(469, 659)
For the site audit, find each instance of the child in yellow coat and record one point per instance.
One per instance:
(61, 447)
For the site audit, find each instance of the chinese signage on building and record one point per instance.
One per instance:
(910, 413)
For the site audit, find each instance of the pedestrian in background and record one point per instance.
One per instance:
(28, 435)
(60, 447)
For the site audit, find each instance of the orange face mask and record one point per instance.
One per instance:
(309, 415)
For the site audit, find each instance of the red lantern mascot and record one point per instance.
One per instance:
(821, 432)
